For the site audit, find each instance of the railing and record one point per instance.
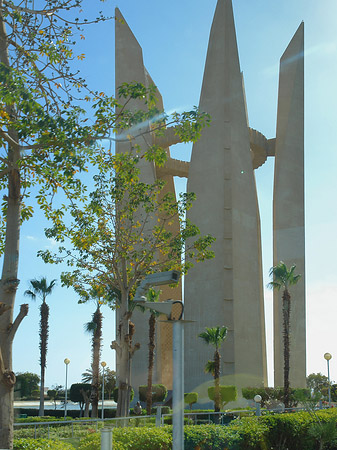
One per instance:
(75, 428)
(72, 428)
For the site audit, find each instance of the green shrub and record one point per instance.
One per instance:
(276, 394)
(190, 398)
(40, 444)
(159, 393)
(132, 439)
(227, 393)
(115, 395)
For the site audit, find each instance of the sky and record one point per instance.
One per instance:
(174, 37)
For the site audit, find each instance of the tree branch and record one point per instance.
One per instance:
(22, 314)
(115, 346)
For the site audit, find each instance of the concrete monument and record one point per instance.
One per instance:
(228, 290)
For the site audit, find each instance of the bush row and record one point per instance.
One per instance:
(298, 431)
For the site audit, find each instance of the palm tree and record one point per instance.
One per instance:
(151, 296)
(215, 336)
(282, 279)
(41, 289)
(94, 327)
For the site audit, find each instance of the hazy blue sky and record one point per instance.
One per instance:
(174, 36)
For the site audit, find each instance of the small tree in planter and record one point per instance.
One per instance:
(191, 398)
(159, 393)
(227, 394)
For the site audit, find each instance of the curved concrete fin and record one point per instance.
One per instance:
(289, 232)
(221, 175)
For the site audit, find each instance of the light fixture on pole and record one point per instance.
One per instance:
(257, 400)
(66, 362)
(103, 364)
(328, 356)
(166, 307)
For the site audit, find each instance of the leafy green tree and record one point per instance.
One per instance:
(109, 380)
(44, 139)
(117, 238)
(41, 289)
(227, 394)
(282, 279)
(80, 393)
(158, 394)
(55, 393)
(215, 336)
(318, 383)
(27, 383)
(191, 398)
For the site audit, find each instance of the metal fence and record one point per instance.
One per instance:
(81, 427)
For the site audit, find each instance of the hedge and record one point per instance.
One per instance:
(227, 394)
(40, 444)
(298, 431)
(159, 393)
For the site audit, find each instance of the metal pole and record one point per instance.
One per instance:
(178, 386)
(329, 388)
(65, 393)
(103, 396)
(106, 439)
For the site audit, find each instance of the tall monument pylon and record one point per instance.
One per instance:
(288, 207)
(228, 289)
(130, 68)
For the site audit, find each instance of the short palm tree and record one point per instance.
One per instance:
(41, 289)
(94, 328)
(215, 336)
(282, 279)
(151, 296)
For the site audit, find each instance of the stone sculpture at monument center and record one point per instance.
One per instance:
(228, 290)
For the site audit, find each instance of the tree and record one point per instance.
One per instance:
(282, 279)
(191, 398)
(227, 394)
(44, 141)
(55, 393)
(80, 393)
(41, 289)
(318, 383)
(117, 238)
(152, 296)
(27, 383)
(215, 336)
(94, 327)
(109, 380)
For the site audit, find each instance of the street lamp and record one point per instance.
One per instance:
(159, 279)
(328, 356)
(257, 400)
(66, 362)
(103, 364)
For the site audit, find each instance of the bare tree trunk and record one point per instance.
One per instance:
(44, 311)
(8, 288)
(286, 346)
(9, 279)
(152, 330)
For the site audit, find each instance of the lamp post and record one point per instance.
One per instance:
(328, 356)
(66, 362)
(103, 364)
(257, 400)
